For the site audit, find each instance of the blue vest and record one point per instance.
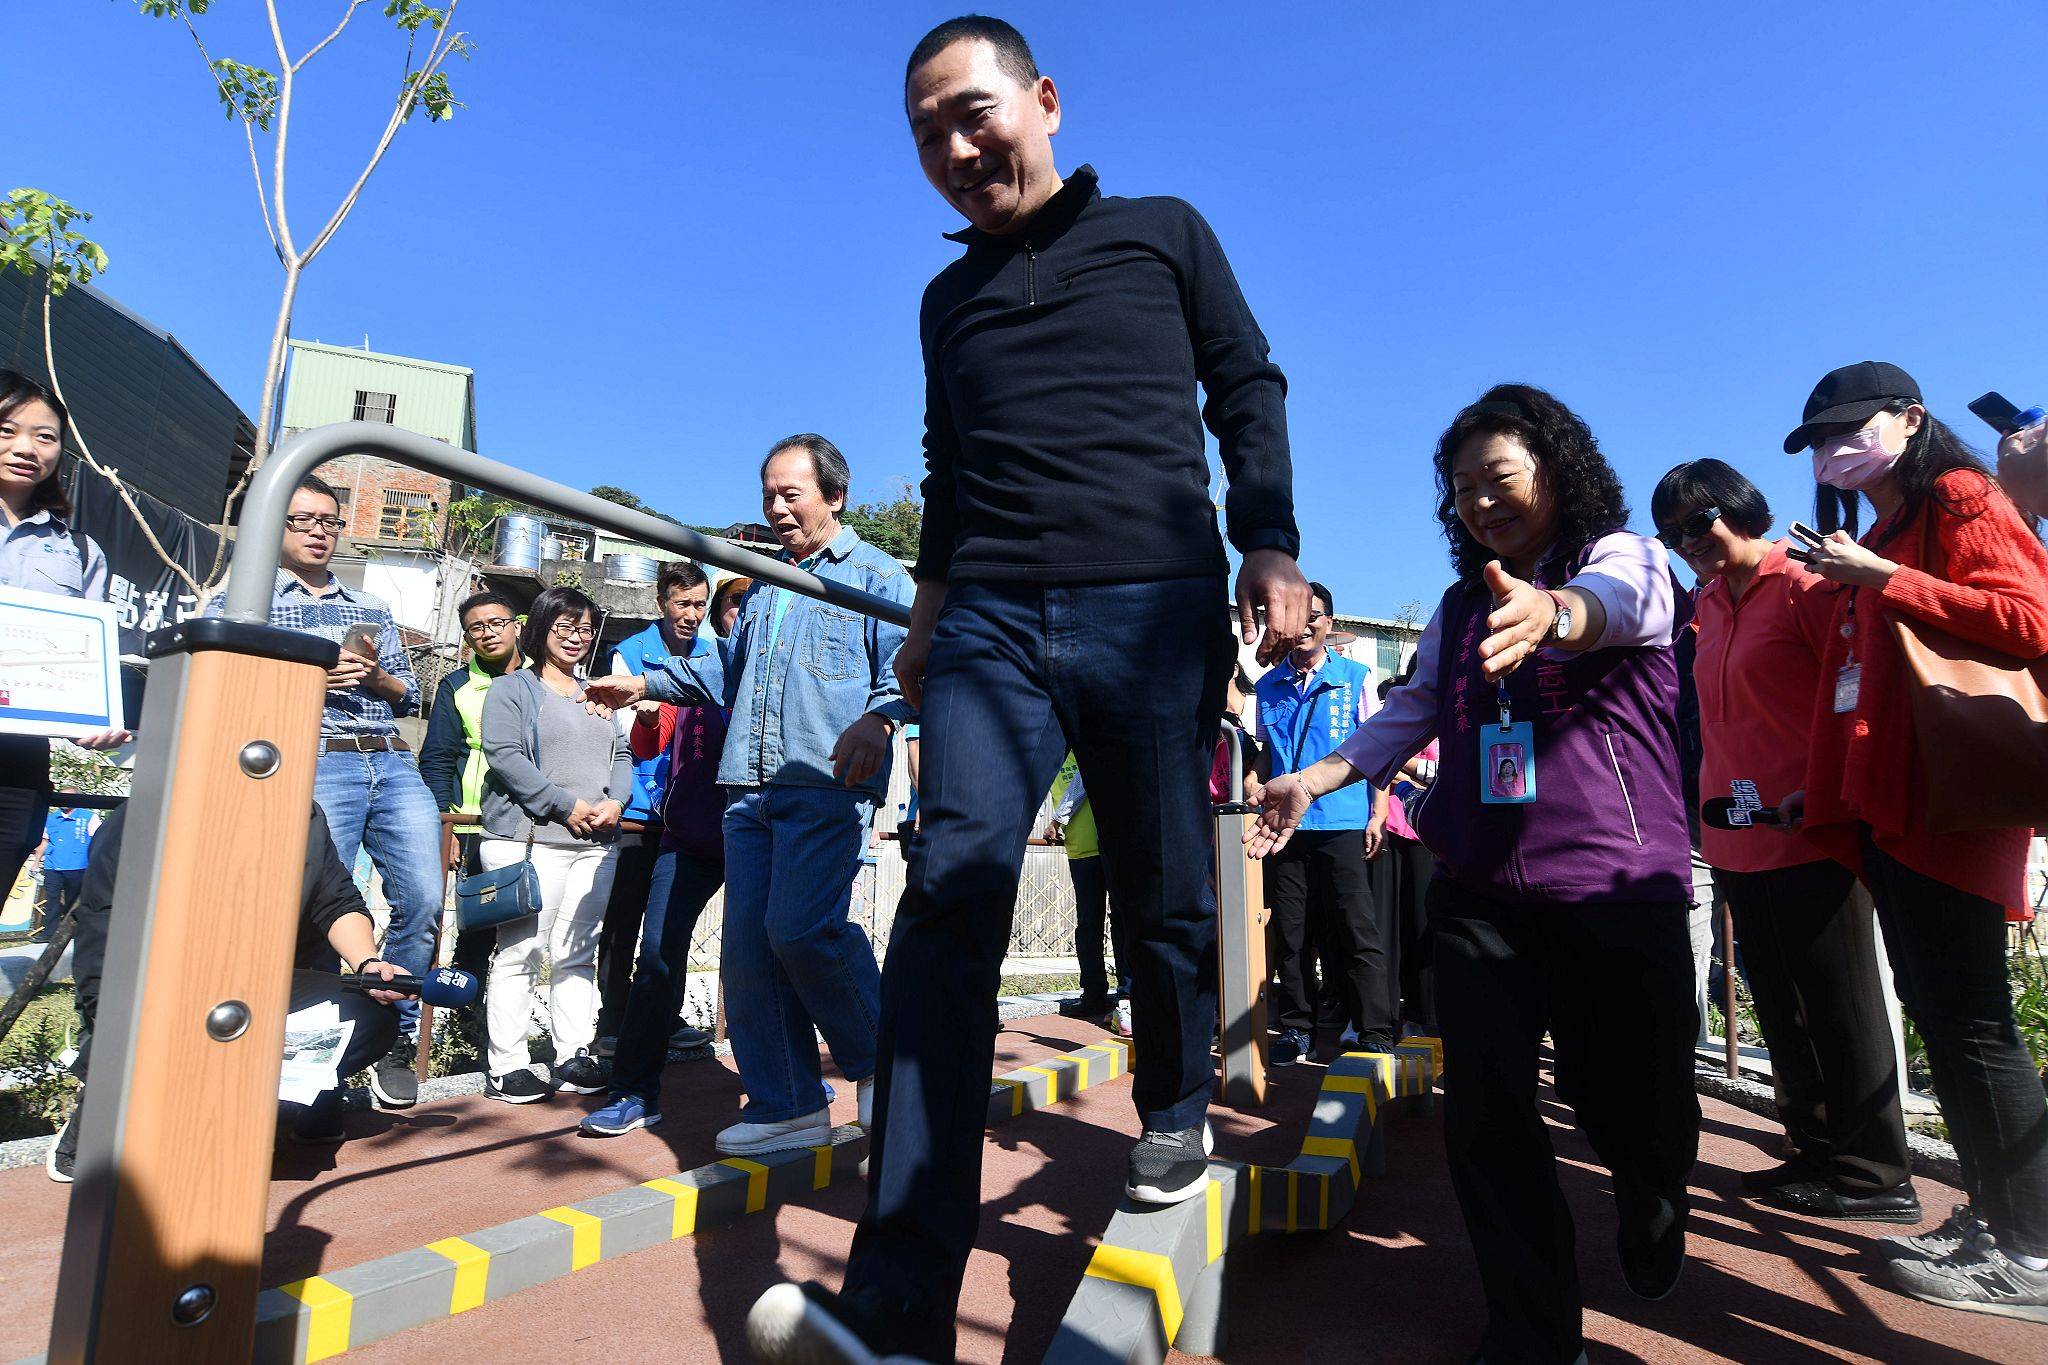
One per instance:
(650, 775)
(1299, 730)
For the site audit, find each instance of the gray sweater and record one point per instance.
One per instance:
(529, 786)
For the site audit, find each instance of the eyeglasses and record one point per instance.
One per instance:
(306, 521)
(1692, 528)
(1315, 616)
(479, 629)
(567, 632)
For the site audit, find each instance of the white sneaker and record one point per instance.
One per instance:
(751, 1139)
(865, 1113)
(1123, 1018)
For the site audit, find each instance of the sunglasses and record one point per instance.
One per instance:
(1692, 528)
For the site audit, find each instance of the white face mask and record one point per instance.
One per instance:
(1855, 461)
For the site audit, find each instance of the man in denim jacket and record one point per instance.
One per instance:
(814, 699)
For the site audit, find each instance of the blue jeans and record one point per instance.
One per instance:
(1130, 676)
(794, 965)
(378, 802)
(677, 892)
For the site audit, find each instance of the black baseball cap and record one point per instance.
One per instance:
(1854, 393)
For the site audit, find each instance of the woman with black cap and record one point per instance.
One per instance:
(1948, 550)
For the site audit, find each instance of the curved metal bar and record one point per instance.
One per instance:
(254, 570)
(1231, 734)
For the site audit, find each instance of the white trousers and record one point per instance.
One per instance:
(575, 885)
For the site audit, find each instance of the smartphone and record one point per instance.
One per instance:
(1806, 534)
(2000, 413)
(361, 639)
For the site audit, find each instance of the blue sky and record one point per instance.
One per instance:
(664, 235)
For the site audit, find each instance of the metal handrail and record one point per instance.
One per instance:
(253, 574)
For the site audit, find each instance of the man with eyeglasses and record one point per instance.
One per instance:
(452, 755)
(1318, 886)
(366, 784)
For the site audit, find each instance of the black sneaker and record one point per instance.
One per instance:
(686, 1038)
(319, 1123)
(1094, 1008)
(1168, 1168)
(1290, 1047)
(517, 1087)
(583, 1074)
(62, 1158)
(392, 1082)
(1651, 1242)
(1818, 1199)
(810, 1325)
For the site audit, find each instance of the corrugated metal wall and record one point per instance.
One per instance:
(433, 399)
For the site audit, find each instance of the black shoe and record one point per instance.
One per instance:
(1374, 1042)
(583, 1074)
(1785, 1173)
(1094, 1008)
(810, 1325)
(517, 1087)
(685, 1038)
(319, 1124)
(1818, 1199)
(1651, 1242)
(1168, 1168)
(62, 1158)
(392, 1081)
(1290, 1047)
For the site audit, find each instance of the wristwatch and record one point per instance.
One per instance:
(1561, 627)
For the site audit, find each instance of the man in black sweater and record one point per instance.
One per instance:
(1071, 592)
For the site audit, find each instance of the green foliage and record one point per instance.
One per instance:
(73, 769)
(172, 9)
(431, 92)
(249, 92)
(893, 526)
(38, 1038)
(613, 493)
(34, 220)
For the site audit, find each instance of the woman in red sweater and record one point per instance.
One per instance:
(1949, 549)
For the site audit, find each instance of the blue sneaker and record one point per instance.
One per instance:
(620, 1117)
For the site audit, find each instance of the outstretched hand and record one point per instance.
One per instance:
(1522, 617)
(1282, 805)
(617, 691)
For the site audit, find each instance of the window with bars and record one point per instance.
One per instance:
(404, 514)
(376, 407)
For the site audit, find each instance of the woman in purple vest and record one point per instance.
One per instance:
(1560, 898)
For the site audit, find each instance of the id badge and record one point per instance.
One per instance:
(1507, 764)
(1848, 683)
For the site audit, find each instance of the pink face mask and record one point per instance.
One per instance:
(1853, 462)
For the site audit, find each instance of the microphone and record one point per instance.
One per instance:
(443, 988)
(1722, 813)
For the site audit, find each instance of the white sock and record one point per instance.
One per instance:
(2030, 1262)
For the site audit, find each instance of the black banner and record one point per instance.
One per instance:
(148, 593)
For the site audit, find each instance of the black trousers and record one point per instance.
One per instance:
(1947, 949)
(1809, 942)
(1612, 983)
(1322, 905)
(24, 802)
(1091, 910)
(618, 941)
(1400, 878)
(60, 889)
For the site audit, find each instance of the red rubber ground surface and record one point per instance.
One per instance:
(1395, 1283)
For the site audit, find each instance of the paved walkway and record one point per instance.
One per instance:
(1395, 1283)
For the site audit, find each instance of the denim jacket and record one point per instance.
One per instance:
(830, 667)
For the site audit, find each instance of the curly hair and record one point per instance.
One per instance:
(1583, 486)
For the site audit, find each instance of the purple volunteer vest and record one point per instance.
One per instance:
(1608, 822)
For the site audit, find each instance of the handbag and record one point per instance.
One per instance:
(485, 900)
(1980, 725)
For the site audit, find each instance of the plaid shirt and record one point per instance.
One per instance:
(354, 711)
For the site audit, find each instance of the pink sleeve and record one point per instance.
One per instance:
(1405, 722)
(1631, 578)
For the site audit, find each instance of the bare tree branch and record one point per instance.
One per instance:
(353, 5)
(248, 131)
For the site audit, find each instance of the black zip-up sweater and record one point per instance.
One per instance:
(1062, 438)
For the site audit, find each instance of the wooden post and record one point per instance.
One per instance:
(164, 1243)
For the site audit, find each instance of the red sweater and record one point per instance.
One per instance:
(1980, 575)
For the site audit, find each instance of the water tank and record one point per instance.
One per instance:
(551, 547)
(631, 568)
(519, 541)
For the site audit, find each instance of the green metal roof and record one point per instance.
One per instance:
(433, 399)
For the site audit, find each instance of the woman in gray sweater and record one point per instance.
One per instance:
(558, 775)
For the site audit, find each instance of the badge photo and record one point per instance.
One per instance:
(1507, 764)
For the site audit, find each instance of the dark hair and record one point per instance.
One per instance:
(731, 587)
(677, 573)
(1013, 54)
(16, 391)
(489, 597)
(826, 462)
(1699, 484)
(551, 606)
(1583, 486)
(1316, 590)
(313, 483)
(1930, 452)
